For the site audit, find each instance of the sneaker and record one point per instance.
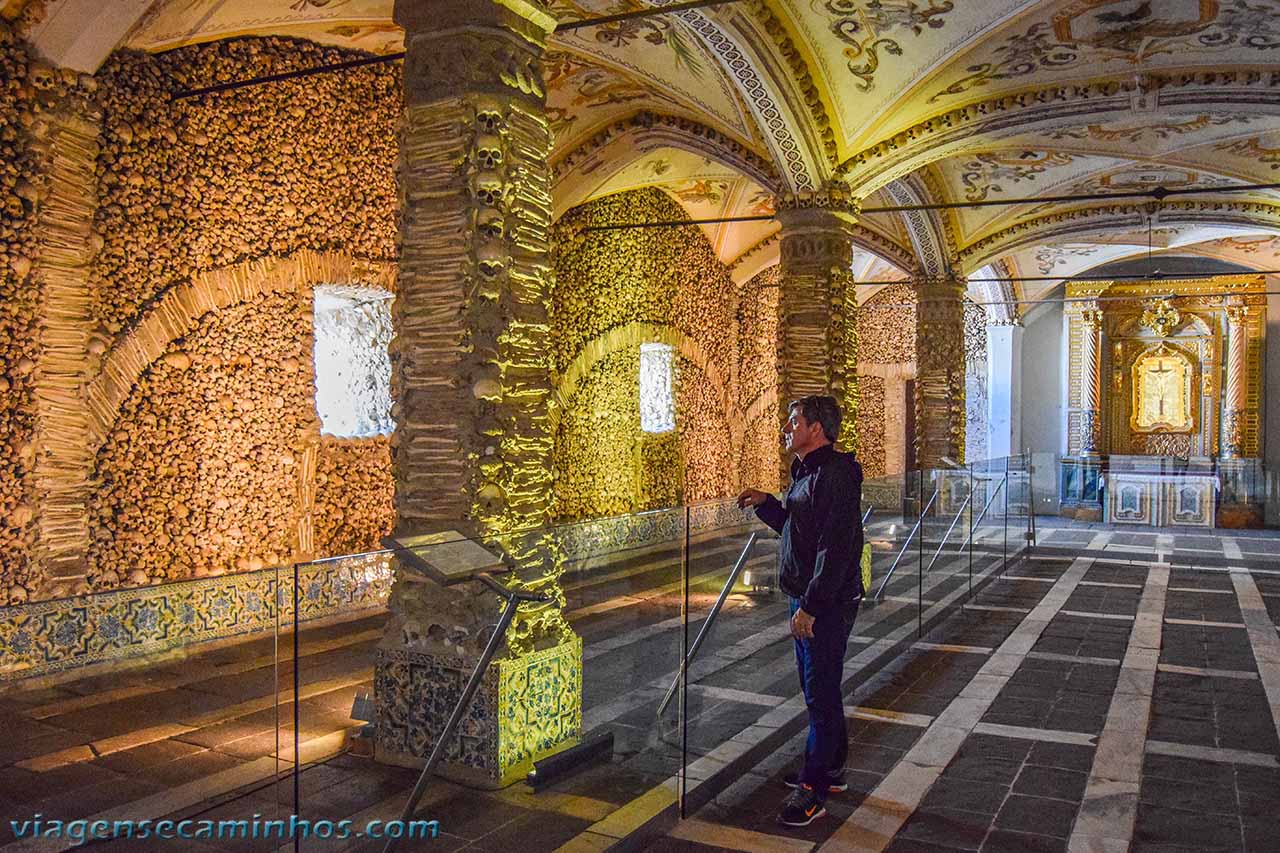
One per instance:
(801, 807)
(835, 782)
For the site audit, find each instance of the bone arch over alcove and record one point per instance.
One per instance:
(634, 334)
(186, 312)
(180, 308)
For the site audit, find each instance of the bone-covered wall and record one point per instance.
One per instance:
(886, 345)
(203, 183)
(758, 379)
(202, 387)
(20, 297)
(613, 291)
(201, 474)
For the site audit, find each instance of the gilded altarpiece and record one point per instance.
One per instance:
(1162, 365)
(1164, 401)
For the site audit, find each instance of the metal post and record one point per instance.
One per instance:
(950, 528)
(684, 675)
(1031, 500)
(711, 617)
(513, 599)
(920, 573)
(970, 539)
(1005, 526)
(983, 514)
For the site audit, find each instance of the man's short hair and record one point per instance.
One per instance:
(820, 409)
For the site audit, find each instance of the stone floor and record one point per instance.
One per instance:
(1089, 696)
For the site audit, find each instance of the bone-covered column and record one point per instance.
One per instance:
(818, 349)
(472, 383)
(940, 371)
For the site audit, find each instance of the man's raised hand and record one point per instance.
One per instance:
(751, 497)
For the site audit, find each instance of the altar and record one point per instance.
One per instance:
(1156, 492)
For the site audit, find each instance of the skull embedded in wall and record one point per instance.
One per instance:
(43, 77)
(489, 116)
(489, 188)
(491, 497)
(491, 257)
(490, 224)
(489, 153)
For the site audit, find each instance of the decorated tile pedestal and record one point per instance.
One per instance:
(526, 708)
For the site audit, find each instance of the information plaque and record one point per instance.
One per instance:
(446, 557)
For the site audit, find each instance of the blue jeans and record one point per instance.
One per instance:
(820, 663)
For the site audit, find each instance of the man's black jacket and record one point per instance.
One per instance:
(820, 520)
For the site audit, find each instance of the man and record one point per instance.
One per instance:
(820, 520)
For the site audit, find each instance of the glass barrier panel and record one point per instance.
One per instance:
(154, 686)
(737, 641)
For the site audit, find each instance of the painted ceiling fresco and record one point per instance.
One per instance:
(706, 190)
(812, 86)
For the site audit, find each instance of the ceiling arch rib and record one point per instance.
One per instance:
(766, 85)
(928, 233)
(994, 292)
(1042, 111)
(1093, 221)
(578, 174)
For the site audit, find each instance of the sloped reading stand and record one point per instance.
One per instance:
(449, 558)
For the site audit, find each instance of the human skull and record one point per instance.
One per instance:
(490, 225)
(489, 188)
(489, 152)
(43, 77)
(489, 118)
(491, 257)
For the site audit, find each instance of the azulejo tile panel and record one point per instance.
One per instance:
(598, 537)
(54, 636)
(525, 708)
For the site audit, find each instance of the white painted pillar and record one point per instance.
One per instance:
(1004, 390)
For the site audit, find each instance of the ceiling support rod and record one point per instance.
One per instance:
(388, 58)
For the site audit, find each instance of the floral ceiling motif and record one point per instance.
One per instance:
(1093, 34)
(586, 93)
(987, 173)
(1140, 132)
(1137, 178)
(874, 28)
(1254, 149)
(1048, 257)
(1250, 246)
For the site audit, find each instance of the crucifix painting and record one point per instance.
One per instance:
(1162, 399)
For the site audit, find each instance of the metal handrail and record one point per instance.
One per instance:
(954, 521)
(879, 595)
(983, 514)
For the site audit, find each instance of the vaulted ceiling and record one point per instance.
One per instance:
(905, 100)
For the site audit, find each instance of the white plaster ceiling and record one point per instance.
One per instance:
(775, 76)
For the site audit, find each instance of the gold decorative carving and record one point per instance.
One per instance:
(1161, 318)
